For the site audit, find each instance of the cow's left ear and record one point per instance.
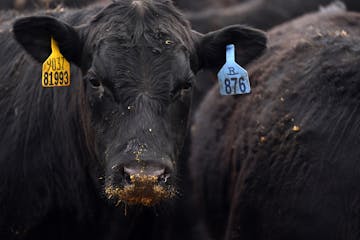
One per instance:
(211, 47)
(34, 34)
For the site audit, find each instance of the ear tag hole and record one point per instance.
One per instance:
(233, 79)
(56, 69)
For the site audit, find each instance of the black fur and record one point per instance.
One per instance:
(263, 14)
(131, 71)
(283, 162)
(40, 4)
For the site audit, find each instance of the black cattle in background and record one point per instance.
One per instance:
(44, 4)
(201, 5)
(209, 15)
(263, 14)
(103, 153)
(283, 161)
(186, 5)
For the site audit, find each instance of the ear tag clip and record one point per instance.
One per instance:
(233, 79)
(56, 69)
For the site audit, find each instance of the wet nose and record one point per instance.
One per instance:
(154, 173)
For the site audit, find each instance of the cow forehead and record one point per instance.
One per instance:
(156, 22)
(141, 66)
(142, 60)
(138, 76)
(144, 40)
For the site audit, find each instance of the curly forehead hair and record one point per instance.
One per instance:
(136, 18)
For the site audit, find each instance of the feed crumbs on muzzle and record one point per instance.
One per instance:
(143, 190)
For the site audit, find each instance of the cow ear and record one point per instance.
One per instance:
(211, 47)
(34, 34)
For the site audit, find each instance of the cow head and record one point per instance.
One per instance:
(138, 60)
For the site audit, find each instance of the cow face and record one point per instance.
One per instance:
(138, 60)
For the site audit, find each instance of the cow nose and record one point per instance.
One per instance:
(154, 173)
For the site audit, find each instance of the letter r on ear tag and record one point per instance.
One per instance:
(233, 79)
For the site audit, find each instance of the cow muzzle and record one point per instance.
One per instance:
(141, 184)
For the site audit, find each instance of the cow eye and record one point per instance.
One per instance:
(181, 89)
(187, 85)
(95, 82)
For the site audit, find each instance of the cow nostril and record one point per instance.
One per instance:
(147, 173)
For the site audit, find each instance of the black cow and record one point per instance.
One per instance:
(115, 134)
(283, 162)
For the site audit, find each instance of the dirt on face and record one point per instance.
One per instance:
(143, 190)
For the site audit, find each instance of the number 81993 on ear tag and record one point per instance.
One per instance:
(233, 79)
(56, 69)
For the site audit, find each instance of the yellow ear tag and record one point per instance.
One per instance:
(56, 69)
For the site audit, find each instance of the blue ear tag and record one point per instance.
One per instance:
(233, 79)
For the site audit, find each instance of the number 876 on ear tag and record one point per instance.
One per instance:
(233, 79)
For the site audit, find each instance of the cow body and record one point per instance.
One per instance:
(283, 162)
(98, 159)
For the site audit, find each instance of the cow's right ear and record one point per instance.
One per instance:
(34, 34)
